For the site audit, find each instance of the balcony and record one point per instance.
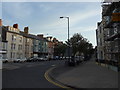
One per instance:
(106, 10)
(109, 7)
(112, 37)
(116, 50)
(110, 20)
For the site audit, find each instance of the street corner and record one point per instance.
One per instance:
(53, 79)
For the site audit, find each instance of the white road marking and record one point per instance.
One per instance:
(53, 65)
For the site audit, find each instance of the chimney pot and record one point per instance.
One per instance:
(0, 22)
(15, 26)
(26, 30)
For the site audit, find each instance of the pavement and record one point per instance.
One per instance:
(0, 79)
(87, 75)
(0, 74)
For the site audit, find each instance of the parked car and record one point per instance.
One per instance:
(23, 60)
(64, 58)
(30, 59)
(34, 59)
(70, 61)
(40, 59)
(19, 60)
(4, 60)
(16, 60)
(56, 58)
(79, 59)
(45, 58)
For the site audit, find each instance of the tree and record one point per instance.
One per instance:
(80, 45)
(75, 41)
(59, 49)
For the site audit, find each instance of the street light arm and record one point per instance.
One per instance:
(64, 17)
(61, 17)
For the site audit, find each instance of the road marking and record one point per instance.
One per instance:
(51, 81)
(53, 65)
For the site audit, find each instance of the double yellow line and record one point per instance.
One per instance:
(46, 75)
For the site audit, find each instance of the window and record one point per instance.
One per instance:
(4, 46)
(13, 38)
(100, 29)
(20, 47)
(14, 46)
(28, 40)
(100, 42)
(115, 30)
(11, 55)
(20, 39)
(11, 46)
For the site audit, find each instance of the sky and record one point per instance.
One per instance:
(43, 18)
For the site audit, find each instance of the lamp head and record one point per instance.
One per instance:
(61, 17)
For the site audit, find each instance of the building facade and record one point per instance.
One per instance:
(20, 45)
(3, 42)
(3, 45)
(50, 47)
(100, 42)
(110, 40)
(27, 43)
(15, 43)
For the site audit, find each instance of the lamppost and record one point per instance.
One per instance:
(68, 26)
(68, 37)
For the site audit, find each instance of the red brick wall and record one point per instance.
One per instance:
(0, 22)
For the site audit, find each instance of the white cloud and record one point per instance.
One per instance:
(52, 24)
(75, 18)
(83, 29)
(81, 16)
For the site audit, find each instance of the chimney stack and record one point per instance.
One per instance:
(49, 38)
(26, 30)
(40, 35)
(15, 26)
(0, 22)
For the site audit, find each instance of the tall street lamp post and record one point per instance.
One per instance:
(68, 37)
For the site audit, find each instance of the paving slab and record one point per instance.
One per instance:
(87, 75)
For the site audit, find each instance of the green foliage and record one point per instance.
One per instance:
(60, 49)
(80, 44)
(77, 43)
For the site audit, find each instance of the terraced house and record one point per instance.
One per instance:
(15, 43)
(21, 45)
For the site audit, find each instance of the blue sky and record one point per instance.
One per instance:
(43, 17)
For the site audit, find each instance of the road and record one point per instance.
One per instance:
(28, 74)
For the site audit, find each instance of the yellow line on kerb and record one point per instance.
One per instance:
(51, 81)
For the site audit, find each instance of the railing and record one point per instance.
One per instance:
(106, 8)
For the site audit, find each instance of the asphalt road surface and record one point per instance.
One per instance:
(28, 74)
